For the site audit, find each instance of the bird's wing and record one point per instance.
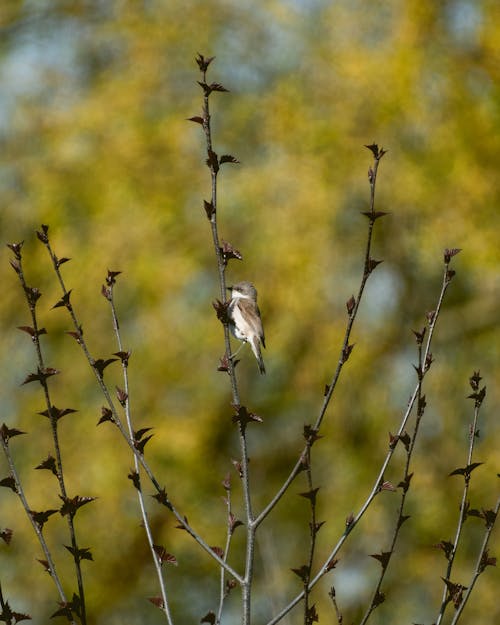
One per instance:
(261, 331)
(251, 313)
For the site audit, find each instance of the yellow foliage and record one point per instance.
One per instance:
(95, 143)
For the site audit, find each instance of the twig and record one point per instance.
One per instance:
(49, 564)
(161, 494)
(108, 292)
(380, 483)
(232, 523)
(483, 561)
(385, 557)
(449, 549)
(214, 162)
(305, 571)
(346, 349)
(313, 530)
(338, 613)
(32, 295)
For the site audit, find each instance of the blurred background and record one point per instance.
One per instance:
(94, 142)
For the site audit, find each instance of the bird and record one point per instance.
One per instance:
(244, 318)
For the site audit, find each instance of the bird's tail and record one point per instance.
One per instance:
(255, 345)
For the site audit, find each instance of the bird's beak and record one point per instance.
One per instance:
(229, 288)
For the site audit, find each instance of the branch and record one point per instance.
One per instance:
(482, 562)
(380, 482)
(352, 309)
(111, 414)
(32, 295)
(232, 523)
(108, 292)
(48, 564)
(214, 163)
(450, 550)
(409, 443)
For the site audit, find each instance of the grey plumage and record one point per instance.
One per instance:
(244, 319)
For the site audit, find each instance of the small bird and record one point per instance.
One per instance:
(244, 319)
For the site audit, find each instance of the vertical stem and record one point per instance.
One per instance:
(20, 493)
(230, 529)
(221, 266)
(479, 567)
(140, 495)
(53, 418)
(213, 163)
(313, 532)
(462, 515)
(405, 483)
